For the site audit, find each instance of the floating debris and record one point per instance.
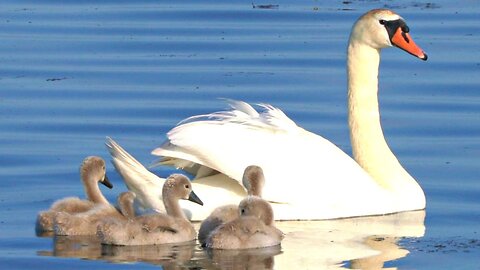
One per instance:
(267, 6)
(56, 79)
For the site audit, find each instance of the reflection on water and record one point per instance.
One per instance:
(261, 258)
(388, 250)
(169, 256)
(358, 243)
(83, 247)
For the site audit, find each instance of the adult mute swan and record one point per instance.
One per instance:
(308, 177)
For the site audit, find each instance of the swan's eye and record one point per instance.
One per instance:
(382, 22)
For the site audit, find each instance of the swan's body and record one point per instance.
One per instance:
(92, 172)
(253, 180)
(253, 228)
(172, 227)
(301, 165)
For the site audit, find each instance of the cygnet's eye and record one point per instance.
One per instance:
(243, 211)
(382, 22)
(187, 186)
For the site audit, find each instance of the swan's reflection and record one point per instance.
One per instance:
(359, 243)
(363, 242)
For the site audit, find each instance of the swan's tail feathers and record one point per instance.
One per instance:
(117, 152)
(127, 166)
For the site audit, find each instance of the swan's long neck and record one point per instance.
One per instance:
(92, 189)
(369, 147)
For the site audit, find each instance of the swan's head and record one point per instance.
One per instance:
(381, 28)
(178, 186)
(93, 167)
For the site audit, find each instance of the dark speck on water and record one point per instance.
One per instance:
(265, 6)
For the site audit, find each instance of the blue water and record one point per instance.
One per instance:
(73, 72)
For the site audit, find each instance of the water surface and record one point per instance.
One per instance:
(73, 72)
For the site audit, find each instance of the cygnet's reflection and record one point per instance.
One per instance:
(258, 258)
(75, 246)
(89, 247)
(167, 255)
(359, 243)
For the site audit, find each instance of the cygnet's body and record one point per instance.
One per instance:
(253, 180)
(84, 223)
(254, 228)
(154, 229)
(92, 172)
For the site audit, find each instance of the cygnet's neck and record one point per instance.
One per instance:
(172, 206)
(369, 147)
(125, 203)
(255, 186)
(90, 184)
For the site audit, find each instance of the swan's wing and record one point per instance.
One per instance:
(197, 141)
(299, 166)
(146, 185)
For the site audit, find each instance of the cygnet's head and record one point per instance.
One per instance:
(256, 207)
(253, 180)
(178, 186)
(93, 167)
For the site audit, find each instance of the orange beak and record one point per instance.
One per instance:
(403, 41)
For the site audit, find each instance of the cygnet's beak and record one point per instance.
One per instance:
(107, 182)
(194, 198)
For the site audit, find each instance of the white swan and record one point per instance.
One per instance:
(92, 172)
(308, 176)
